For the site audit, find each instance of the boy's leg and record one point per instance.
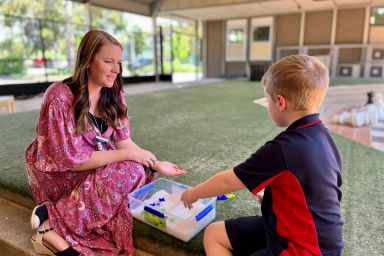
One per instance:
(246, 235)
(216, 241)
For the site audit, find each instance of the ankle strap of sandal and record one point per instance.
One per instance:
(40, 233)
(44, 231)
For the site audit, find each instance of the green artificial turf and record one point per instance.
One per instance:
(350, 82)
(205, 129)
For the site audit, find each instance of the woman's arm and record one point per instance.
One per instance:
(139, 155)
(101, 158)
(163, 167)
(126, 150)
(128, 143)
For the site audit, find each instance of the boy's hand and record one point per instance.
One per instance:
(260, 196)
(188, 198)
(168, 168)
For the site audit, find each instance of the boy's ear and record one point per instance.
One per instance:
(282, 101)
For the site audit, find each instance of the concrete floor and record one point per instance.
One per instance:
(341, 98)
(15, 232)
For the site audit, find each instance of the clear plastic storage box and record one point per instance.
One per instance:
(158, 204)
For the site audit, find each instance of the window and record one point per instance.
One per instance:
(261, 34)
(236, 35)
(377, 16)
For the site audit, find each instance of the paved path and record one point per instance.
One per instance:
(341, 98)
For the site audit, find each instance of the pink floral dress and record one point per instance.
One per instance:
(90, 209)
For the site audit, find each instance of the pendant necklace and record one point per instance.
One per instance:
(100, 141)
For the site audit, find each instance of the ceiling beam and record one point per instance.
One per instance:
(156, 6)
(131, 6)
(171, 5)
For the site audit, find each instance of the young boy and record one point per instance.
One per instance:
(299, 170)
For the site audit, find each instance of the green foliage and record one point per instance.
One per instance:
(108, 20)
(48, 9)
(39, 20)
(41, 29)
(181, 47)
(12, 65)
(14, 7)
(11, 61)
(181, 67)
(138, 38)
(116, 23)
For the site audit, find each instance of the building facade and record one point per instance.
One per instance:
(241, 38)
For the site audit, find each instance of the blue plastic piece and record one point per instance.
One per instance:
(222, 197)
(183, 186)
(154, 212)
(144, 189)
(204, 212)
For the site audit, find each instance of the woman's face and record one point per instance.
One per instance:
(105, 66)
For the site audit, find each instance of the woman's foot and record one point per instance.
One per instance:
(59, 243)
(39, 215)
(48, 242)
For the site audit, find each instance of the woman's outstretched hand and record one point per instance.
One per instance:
(168, 168)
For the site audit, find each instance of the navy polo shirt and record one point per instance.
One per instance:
(300, 170)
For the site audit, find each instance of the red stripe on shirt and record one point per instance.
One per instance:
(293, 218)
(310, 124)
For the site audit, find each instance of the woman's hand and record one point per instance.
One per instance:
(136, 154)
(168, 168)
(149, 157)
(188, 198)
(142, 156)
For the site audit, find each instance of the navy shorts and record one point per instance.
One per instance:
(247, 236)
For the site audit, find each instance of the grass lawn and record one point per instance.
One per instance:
(205, 129)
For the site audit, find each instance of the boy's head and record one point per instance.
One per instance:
(302, 80)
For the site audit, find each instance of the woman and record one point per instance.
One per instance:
(82, 164)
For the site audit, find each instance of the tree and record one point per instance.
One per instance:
(181, 47)
(41, 22)
(138, 38)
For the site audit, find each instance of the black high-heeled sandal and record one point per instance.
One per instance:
(45, 248)
(39, 215)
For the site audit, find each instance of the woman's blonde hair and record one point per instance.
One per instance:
(110, 105)
(301, 79)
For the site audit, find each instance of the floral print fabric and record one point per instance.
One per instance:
(90, 209)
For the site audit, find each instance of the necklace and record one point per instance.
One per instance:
(95, 123)
(100, 141)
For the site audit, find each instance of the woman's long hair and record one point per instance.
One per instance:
(110, 105)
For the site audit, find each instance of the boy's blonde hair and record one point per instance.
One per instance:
(303, 80)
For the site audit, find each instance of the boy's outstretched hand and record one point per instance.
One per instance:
(168, 168)
(187, 198)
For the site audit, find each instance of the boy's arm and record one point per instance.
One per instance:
(221, 183)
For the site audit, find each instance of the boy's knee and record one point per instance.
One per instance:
(215, 235)
(213, 230)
